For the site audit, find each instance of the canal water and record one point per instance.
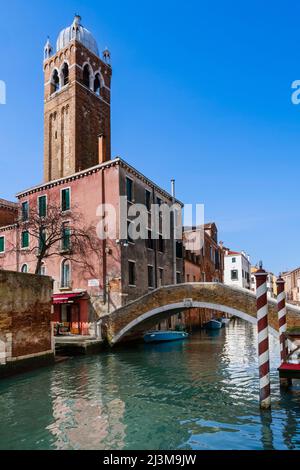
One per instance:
(197, 394)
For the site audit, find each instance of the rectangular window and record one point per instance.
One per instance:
(129, 228)
(131, 273)
(150, 277)
(42, 239)
(148, 200)
(150, 241)
(161, 244)
(129, 189)
(194, 278)
(187, 278)
(42, 206)
(66, 237)
(161, 277)
(179, 250)
(234, 275)
(178, 278)
(25, 240)
(25, 211)
(2, 244)
(65, 199)
(233, 260)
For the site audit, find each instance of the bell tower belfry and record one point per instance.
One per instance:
(77, 103)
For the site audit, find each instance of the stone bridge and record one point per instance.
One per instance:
(142, 314)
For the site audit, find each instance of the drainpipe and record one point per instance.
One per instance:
(155, 245)
(174, 232)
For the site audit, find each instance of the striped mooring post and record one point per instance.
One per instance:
(263, 338)
(282, 319)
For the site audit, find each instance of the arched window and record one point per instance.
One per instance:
(24, 269)
(55, 81)
(86, 75)
(65, 274)
(97, 84)
(42, 271)
(65, 74)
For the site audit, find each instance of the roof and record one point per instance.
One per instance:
(8, 204)
(81, 174)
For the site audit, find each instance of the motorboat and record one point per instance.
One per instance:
(167, 335)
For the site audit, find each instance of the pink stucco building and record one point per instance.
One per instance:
(77, 153)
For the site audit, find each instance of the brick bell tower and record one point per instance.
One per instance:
(77, 103)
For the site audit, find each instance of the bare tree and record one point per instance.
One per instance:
(62, 234)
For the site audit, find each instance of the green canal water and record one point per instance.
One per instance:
(197, 394)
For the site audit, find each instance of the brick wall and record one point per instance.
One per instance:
(25, 316)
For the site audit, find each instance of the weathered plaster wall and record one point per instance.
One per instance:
(25, 316)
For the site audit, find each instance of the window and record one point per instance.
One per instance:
(234, 275)
(55, 82)
(150, 241)
(129, 229)
(2, 244)
(25, 240)
(86, 76)
(24, 269)
(25, 211)
(66, 237)
(42, 270)
(97, 84)
(42, 206)
(65, 200)
(65, 74)
(233, 260)
(194, 278)
(179, 250)
(159, 201)
(129, 189)
(217, 260)
(65, 274)
(42, 240)
(187, 278)
(161, 244)
(160, 277)
(178, 278)
(131, 273)
(148, 200)
(150, 277)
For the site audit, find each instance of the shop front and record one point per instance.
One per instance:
(71, 313)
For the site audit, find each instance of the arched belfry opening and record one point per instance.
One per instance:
(65, 74)
(55, 84)
(97, 84)
(86, 78)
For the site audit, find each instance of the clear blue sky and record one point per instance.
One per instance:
(201, 92)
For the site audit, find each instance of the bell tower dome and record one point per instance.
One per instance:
(77, 103)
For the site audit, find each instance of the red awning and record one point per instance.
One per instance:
(66, 298)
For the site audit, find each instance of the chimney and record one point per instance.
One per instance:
(101, 149)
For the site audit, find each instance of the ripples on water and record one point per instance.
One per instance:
(197, 394)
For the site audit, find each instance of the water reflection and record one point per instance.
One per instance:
(196, 394)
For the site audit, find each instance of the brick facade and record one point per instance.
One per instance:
(25, 318)
(75, 116)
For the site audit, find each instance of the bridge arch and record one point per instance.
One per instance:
(141, 314)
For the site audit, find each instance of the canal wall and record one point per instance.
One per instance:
(26, 339)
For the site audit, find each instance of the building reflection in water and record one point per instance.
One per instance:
(83, 415)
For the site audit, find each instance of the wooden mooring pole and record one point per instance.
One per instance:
(263, 338)
(282, 319)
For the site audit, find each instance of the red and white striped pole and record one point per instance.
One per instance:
(263, 338)
(282, 318)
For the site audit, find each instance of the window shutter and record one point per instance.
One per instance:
(1, 244)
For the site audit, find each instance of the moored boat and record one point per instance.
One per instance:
(213, 325)
(225, 321)
(160, 336)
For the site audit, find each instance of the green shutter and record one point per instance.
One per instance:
(66, 238)
(42, 206)
(25, 211)
(25, 239)
(2, 244)
(65, 203)
(42, 239)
